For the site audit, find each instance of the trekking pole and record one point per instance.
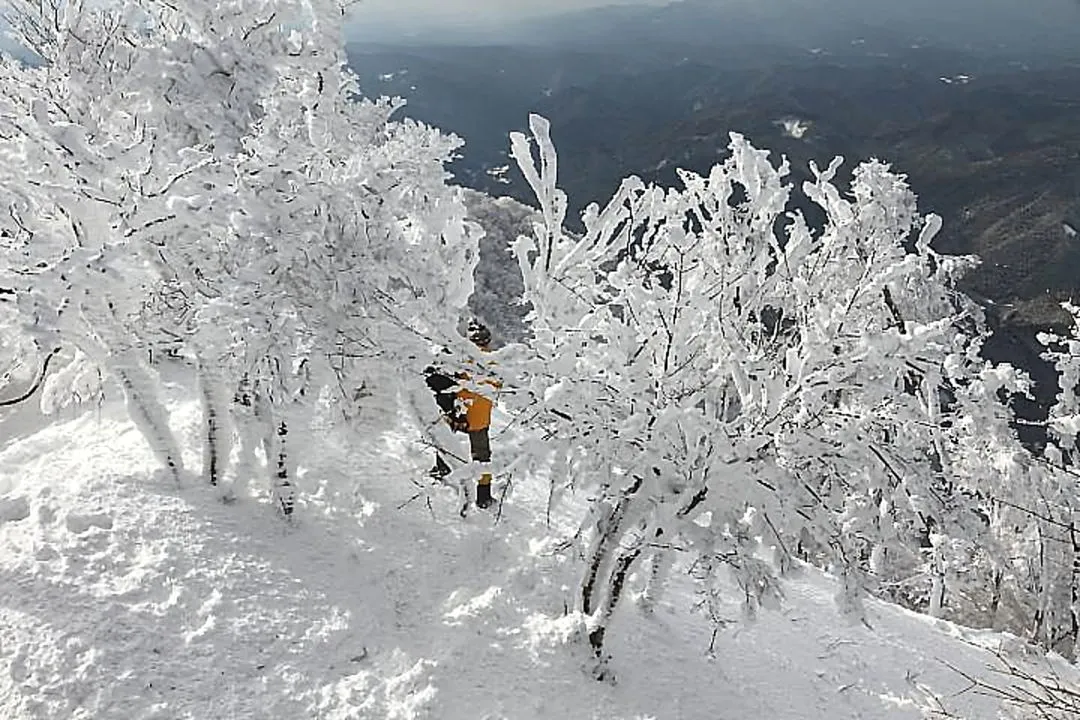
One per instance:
(435, 446)
(502, 497)
(557, 413)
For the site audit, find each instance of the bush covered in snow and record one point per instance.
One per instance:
(727, 380)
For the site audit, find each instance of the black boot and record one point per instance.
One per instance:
(440, 469)
(483, 495)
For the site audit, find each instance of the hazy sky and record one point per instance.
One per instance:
(424, 13)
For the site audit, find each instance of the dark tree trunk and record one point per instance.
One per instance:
(151, 421)
(284, 492)
(619, 572)
(215, 442)
(609, 529)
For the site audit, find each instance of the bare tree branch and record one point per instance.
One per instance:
(37, 383)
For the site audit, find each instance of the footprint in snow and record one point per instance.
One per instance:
(82, 522)
(14, 509)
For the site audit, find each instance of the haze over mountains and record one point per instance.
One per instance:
(976, 100)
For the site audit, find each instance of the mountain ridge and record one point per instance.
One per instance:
(987, 139)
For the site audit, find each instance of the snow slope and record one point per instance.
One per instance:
(123, 595)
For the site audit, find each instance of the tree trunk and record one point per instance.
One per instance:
(216, 439)
(284, 493)
(937, 587)
(608, 529)
(1074, 589)
(995, 597)
(249, 433)
(1038, 629)
(616, 583)
(150, 416)
(659, 569)
(597, 554)
(278, 461)
(625, 557)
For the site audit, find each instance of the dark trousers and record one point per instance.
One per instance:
(479, 450)
(480, 445)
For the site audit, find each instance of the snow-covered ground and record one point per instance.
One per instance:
(126, 596)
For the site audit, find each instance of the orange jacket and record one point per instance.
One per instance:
(477, 406)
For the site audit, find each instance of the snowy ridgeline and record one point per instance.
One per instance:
(128, 596)
(706, 401)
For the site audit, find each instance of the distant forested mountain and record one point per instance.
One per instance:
(977, 102)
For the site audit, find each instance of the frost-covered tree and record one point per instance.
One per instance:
(206, 178)
(1064, 421)
(497, 299)
(1010, 560)
(1054, 505)
(111, 147)
(726, 379)
(22, 366)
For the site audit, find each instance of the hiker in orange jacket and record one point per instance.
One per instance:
(478, 417)
(475, 418)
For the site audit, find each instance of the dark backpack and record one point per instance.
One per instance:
(445, 389)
